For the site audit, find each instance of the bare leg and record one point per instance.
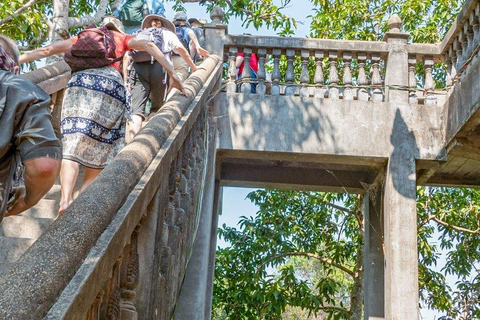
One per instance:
(133, 126)
(89, 174)
(68, 176)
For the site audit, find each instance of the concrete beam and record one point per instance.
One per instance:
(254, 122)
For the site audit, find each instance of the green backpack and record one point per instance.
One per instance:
(132, 12)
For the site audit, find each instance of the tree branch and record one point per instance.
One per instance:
(20, 10)
(75, 22)
(453, 227)
(308, 255)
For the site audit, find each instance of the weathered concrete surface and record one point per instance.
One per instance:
(462, 106)
(30, 286)
(193, 294)
(253, 122)
(374, 259)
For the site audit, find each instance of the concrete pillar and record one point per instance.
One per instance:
(374, 291)
(396, 72)
(215, 32)
(213, 248)
(401, 254)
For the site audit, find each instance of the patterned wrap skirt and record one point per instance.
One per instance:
(94, 115)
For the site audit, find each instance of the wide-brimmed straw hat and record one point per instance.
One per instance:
(199, 21)
(147, 22)
(113, 23)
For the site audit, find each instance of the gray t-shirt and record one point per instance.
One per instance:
(26, 130)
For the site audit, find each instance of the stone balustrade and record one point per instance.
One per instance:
(461, 44)
(349, 70)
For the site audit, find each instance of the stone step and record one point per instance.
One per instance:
(24, 227)
(11, 250)
(45, 208)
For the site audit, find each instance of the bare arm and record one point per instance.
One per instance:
(152, 49)
(194, 39)
(40, 175)
(238, 62)
(47, 51)
(127, 58)
(186, 56)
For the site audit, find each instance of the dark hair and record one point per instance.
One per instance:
(10, 48)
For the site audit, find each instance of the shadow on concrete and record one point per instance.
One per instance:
(287, 123)
(402, 160)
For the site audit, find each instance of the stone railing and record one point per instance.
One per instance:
(350, 70)
(120, 249)
(462, 42)
(53, 79)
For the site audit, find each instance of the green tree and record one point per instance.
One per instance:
(263, 271)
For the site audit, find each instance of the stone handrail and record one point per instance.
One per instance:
(88, 260)
(343, 69)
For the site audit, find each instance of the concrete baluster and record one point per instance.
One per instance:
(362, 93)
(333, 91)
(261, 88)
(412, 81)
(458, 48)
(318, 79)
(276, 72)
(376, 92)
(94, 312)
(430, 98)
(304, 77)
(469, 37)
(290, 74)
(247, 71)
(129, 279)
(112, 310)
(453, 56)
(232, 70)
(347, 76)
(476, 26)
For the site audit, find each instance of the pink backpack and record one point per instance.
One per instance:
(95, 48)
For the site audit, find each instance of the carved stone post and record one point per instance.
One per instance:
(430, 98)
(377, 94)
(319, 89)
(347, 76)
(304, 77)
(290, 75)
(333, 91)
(232, 71)
(94, 312)
(458, 49)
(276, 72)
(261, 88)
(247, 71)
(129, 279)
(362, 93)
(215, 32)
(396, 73)
(412, 81)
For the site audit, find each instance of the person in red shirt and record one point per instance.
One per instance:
(240, 63)
(94, 109)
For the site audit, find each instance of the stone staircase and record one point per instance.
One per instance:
(17, 233)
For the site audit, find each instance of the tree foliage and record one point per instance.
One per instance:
(303, 249)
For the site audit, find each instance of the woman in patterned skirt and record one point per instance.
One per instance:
(94, 109)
